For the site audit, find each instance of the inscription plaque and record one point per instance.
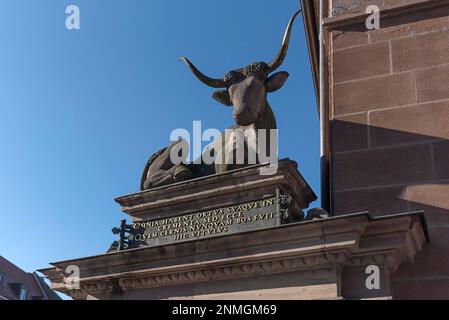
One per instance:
(261, 214)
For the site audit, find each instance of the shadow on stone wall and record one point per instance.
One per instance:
(385, 171)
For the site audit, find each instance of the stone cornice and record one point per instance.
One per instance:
(344, 242)
(190, 195)
(406, 7)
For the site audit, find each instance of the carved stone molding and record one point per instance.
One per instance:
(340, 243)
(232, 271)
(242, 185)
(389, 259)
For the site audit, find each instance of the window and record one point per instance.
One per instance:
(23, 293)
(2, 279)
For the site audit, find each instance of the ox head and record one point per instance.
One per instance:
(246, 88)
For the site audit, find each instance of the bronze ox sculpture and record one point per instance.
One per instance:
(246, 90)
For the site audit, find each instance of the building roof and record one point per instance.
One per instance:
(13, 279)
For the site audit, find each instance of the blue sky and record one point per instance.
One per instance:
(81, 111)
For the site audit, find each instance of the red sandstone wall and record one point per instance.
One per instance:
(389, 136)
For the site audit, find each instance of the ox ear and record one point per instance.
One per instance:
(276, 81)
(223, 97)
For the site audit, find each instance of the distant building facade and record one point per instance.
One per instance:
(16, 284)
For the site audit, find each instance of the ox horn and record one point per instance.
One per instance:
(277, 62)
(214, 83)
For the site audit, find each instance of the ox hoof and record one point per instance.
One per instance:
(182, 173)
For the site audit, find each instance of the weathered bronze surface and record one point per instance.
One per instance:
(246, 90)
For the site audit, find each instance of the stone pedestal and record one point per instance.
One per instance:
(220, 190)
(299, 259)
